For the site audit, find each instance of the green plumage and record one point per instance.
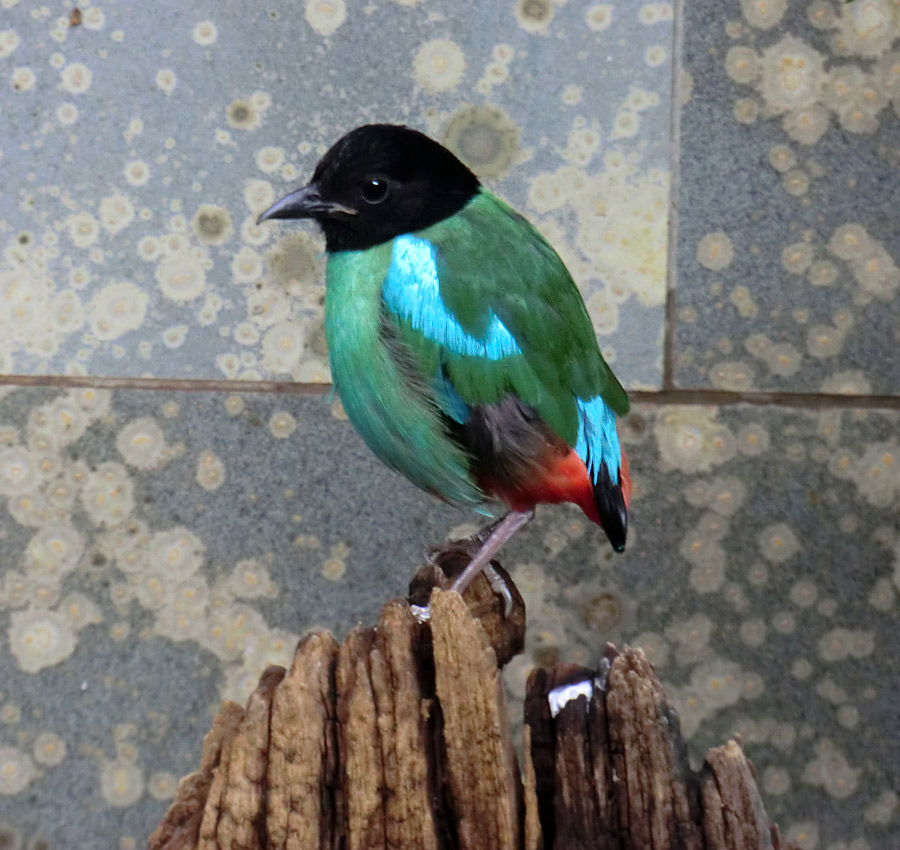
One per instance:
(490, 261)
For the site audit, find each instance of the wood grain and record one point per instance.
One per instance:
(398, 739)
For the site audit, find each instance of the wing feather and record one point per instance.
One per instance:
(487, 308)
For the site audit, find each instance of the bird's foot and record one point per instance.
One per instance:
(498, 585)
(496, 535)
(487, 599)
(422, 613)
(478, 551)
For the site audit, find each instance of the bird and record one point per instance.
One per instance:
(458, 341)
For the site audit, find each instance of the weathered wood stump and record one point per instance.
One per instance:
(399, 738)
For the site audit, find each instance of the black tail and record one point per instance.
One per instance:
(610, 504)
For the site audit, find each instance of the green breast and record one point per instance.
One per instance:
(391, 409)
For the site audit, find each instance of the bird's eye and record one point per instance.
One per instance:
(375, 190)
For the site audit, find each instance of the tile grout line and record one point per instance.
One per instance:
(668, 353)
(171, 384)
(689, 397)
(761, 398)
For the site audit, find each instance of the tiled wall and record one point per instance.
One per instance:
(175, 513)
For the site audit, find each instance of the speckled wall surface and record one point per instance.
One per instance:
(159, 543)
(139, 147)
(789, 237)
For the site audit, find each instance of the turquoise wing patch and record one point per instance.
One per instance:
(412, 291)
(598, 439)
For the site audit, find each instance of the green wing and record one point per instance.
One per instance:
(508, 318)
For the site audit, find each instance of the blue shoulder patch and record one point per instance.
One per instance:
(598, 439)
(412, 291)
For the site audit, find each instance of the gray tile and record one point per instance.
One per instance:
(139, 146)
(787, 275)
(159, 549)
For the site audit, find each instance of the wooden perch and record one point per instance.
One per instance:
(399, 738)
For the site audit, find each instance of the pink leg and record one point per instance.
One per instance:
(499, 534)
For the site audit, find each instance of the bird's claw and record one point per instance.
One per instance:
(499, 586)
(422, 613)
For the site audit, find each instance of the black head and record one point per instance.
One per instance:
(377, 182)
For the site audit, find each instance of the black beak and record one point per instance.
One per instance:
(304, 203)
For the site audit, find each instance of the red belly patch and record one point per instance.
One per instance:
(564, 478)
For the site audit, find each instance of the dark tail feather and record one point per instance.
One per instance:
(610, 503)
